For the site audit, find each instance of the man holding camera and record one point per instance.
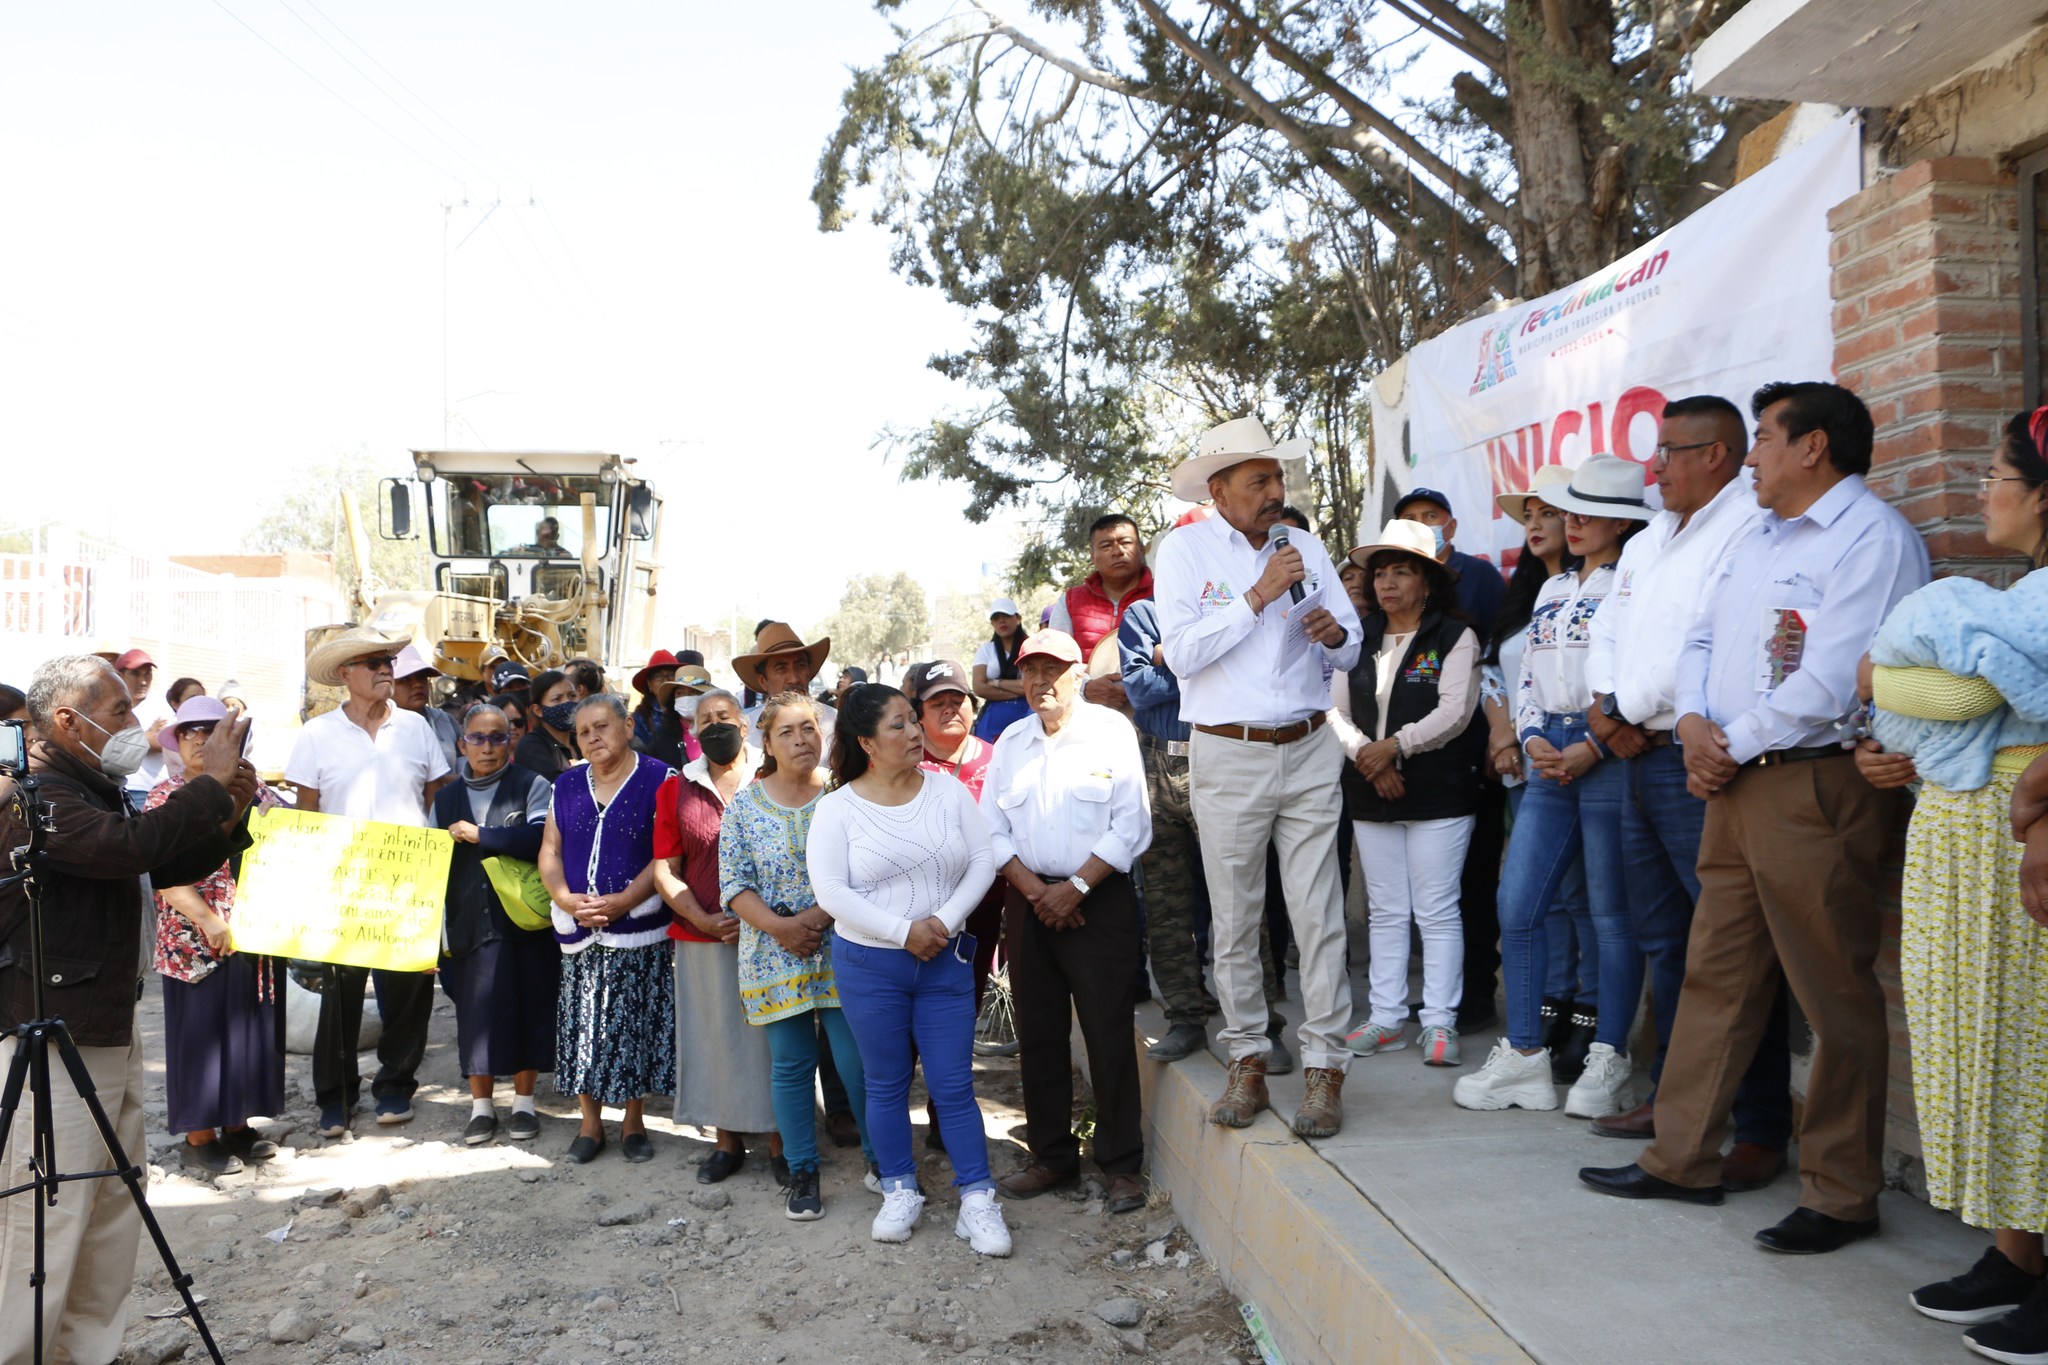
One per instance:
(90, 890)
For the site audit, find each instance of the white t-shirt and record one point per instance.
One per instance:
(369, 779)
(876, 869)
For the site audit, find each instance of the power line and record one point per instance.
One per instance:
(429, 161)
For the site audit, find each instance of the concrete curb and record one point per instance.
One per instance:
(1336, 1281)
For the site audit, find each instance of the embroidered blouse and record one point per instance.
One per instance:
(761, 849)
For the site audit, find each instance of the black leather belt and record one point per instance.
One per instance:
(1774, 758)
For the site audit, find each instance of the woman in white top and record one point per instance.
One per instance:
(898, 857)
(1405, 717)
(1572, 804)
(1571, 982)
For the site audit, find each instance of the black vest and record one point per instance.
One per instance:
(1441, 783)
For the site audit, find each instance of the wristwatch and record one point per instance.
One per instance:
(1611, 710)
(1079, 885)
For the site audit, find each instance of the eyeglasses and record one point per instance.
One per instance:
(1985, 483)
(1665, 451)
(376, 663)
(492, 740)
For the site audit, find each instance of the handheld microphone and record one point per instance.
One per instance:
(1294, 592)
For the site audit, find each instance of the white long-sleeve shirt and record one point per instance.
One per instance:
(1660, 589)
(878, 869)
(1457, 697)
(1795, 605)
(1553, 675)
(1234, 666)
(1052, 801)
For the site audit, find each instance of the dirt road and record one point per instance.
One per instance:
(402, 1245)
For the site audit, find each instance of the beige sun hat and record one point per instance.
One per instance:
(324, 660)
(1238, 440)
(1408, 537)
(1516, 504)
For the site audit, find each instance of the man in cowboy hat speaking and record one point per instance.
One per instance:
(783, 663)
(1263, 766)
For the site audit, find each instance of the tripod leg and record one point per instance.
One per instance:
(135, 1178)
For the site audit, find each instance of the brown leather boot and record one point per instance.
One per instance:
(1244, 1095)
(1322, 1108)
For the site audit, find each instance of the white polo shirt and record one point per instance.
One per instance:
(1051, 801)
(384, 778)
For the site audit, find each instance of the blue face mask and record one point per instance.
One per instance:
(560, 716)
(1438, 533)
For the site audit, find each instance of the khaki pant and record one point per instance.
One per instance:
(1788, 891)
(91, 1234)
(1247, 795)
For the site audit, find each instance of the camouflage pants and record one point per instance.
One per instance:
(1174, 888)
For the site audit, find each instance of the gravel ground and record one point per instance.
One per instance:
(401, 1244)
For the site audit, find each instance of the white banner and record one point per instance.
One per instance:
(1732, 298)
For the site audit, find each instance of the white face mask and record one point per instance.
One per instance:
(686, 705)
(123, 752)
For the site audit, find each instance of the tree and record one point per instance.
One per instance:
(308, 516)
(878, 614)
(1160, 214)
(960, 620)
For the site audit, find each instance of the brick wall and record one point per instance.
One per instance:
(1927, 332)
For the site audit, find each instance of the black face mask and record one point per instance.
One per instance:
(722, 742)
(560, 716)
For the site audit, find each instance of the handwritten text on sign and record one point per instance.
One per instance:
(332, 889)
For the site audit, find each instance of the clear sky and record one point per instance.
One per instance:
(219, 273)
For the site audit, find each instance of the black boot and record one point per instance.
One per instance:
(1568, 1055)
(1557, 1019)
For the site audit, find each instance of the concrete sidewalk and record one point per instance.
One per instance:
(1492, 1204)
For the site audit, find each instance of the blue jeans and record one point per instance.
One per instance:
(1661, 823)
(891, 1000)
(1574, 970)
(793, 1048)
(1559, 823)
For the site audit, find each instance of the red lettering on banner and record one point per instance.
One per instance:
(1512, 461)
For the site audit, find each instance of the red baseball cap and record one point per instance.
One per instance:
(133, 660)
(1055, 643)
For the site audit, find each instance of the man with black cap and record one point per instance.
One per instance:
(1480, 589)
(510, 677)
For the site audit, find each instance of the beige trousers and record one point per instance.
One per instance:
(1247, 795)
(90, 1235)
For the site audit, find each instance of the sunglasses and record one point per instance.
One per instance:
(196, 728)
(491, 740)
(376, 663)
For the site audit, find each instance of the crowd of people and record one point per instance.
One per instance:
(1664, 748)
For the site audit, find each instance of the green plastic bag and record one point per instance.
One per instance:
(520, 891)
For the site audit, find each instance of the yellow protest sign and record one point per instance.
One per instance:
(332, 889)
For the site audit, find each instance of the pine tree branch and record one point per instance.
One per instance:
(1107, 80)
(1448, 24)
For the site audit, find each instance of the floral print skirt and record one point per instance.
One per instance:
(615, 1023)
(1975, 972)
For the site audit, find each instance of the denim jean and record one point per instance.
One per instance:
(793, 1046)
(1661, 824)
(1574, 970)
(1558, 824)
(891, 1000)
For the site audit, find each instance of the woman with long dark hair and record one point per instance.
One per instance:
(899, 857)
(1571, 981)
(996, 680)
(1959, 676)
(549, 745)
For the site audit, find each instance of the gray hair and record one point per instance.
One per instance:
(74, 680)
(484, 708)
(709, 693)
(608, 702)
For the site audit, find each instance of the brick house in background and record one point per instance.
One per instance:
(1939, 266)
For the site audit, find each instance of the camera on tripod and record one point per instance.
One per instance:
(13, 748)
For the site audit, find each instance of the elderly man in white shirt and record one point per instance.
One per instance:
(369, 759)
(1064, 797)
(1660, 590)
(1789, 859)
(1252, 657)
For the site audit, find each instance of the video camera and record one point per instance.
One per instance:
(13, 748)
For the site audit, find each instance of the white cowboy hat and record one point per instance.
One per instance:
(1244, 438)
(1603, 486)
(1516, 505)
(1408, 537)
(324, 660)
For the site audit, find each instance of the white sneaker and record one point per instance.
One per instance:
(1508, 1079)
(981, 1225)
(900, 1211)
(1602, 1088)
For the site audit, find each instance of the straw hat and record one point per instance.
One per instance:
(324, 660)
(1604, 486)
(1407, 537)
(1244, 438)
(1516, 504)
(777, 638)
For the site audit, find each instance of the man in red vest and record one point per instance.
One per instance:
(1092, 609)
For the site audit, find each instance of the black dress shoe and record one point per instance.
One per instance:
(719, 1165)
(1808, 1232)
(637, 1147)
(248, 1144)
(1633, 1182)
(584, 1150)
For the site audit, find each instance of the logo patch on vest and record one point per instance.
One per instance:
(1427, 668)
